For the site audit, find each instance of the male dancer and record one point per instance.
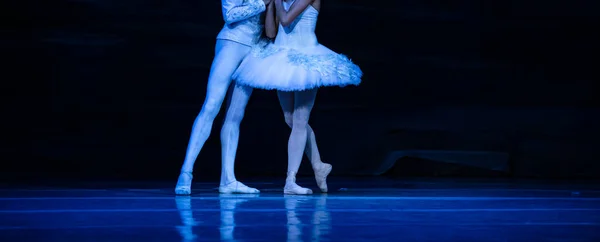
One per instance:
(242, 29)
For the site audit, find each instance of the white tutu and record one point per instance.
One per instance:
(270, 66)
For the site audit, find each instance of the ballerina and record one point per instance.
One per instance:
(296, 65)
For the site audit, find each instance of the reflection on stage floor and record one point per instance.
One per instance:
(417, 212)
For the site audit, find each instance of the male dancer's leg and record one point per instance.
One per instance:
(230, 133)
(321, 169)
(228, 56)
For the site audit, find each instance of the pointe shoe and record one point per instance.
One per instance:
(237, 187)
(184, 183)
(321, 174)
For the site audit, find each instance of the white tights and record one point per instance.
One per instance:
(296, 108)
(286, 100)
(302, 140)
(228, 56)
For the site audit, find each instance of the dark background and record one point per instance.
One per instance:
(108, 90)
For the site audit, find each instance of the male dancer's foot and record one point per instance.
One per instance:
(236, 187)
(291, 188)
(184, 183)
(322, 170)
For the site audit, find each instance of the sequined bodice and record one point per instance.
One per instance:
(301, 33)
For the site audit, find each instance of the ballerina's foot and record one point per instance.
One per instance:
(321, 174)
(237, 188)
(184, 184)
(294, 189)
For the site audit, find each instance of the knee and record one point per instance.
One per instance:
(233, 118)
(289, 119)
(231, 125)
(210, 109)
(299, 123)
(228, 127)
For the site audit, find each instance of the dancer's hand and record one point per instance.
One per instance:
(267, 2)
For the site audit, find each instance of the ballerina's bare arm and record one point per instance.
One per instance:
(237, 10)
(271, 22)
(287, 17)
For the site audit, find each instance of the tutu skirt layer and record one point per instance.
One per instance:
(295, 69)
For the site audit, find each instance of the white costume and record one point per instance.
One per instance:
(296, 61)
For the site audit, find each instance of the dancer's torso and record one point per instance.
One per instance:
(246, 31)
(301, 33)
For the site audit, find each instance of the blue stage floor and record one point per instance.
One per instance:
(354, 211)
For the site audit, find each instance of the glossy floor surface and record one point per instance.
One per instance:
(353, 211)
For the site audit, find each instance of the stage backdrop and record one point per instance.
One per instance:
(109, 89)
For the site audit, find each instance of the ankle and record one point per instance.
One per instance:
(226, 182)
(227, 178)
(291, 176)
(317, 164)
(188, 173)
